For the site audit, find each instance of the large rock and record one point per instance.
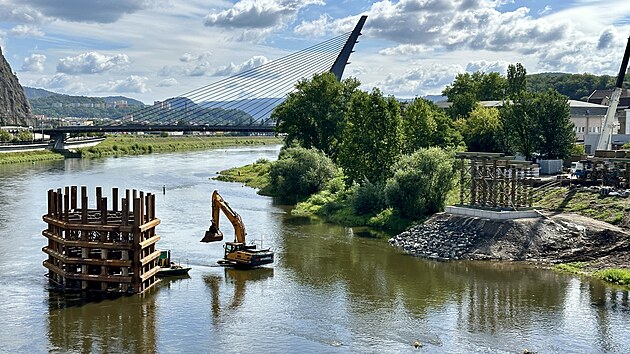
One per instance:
(14, 107)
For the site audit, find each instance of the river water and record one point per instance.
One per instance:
(331, 290)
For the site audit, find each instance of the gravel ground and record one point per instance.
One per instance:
(549, 239)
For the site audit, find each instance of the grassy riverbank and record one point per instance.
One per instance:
(611, 209)
(611, 275)
(254, 175)
(119, 145)
(29, 156)
(138, 145)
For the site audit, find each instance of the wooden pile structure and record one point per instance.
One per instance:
(99, 249)
(494, 181)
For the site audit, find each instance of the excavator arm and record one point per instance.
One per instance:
(214, 233)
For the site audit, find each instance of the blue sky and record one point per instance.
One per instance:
(155, 49)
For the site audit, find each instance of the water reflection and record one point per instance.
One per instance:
(125, 324)
(238, 279)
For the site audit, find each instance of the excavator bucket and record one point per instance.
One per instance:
(213, 234)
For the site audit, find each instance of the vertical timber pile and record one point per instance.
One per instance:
(99, 249)
(494, 181)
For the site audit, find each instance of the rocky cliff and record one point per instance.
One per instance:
(14, 107)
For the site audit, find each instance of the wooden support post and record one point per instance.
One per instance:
(125, 212)
(137, 270)
(73, 197)
(461, 181)
(115, 199)
(66, 204)
(142, 221)
(473, 182)
(493, 183)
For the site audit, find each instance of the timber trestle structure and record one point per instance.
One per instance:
(100, 249)
(494, 181)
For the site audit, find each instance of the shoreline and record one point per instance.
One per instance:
(121, 145)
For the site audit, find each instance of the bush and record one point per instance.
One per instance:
(420, 183)
(5, 136)
(368, 198)
(300, 172)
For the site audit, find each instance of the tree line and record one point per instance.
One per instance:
(351, 153)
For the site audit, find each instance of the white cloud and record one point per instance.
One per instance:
(545, 11)
(452, 25)
(258, 18)
(419, 81)
(26, 31)
(132, 84)
(498, 66)
(196, 65)
(315, 28)
(233, 69)
(60, 83)
(406, 49)
(34, 63)
(607, 38)
(201, 57)
(168, 82)
(91, 63)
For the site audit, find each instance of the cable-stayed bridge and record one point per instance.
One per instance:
(240, 103)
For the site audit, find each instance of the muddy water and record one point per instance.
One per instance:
(331, 290)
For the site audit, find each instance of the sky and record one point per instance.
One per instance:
(154, 49)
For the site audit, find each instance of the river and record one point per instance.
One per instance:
(331, 290)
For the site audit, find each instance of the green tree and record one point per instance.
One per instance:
(372, 137)
(24, 136)
(300, 172)
(5, 136)
(555, 127)
(420, 183)
(468, 89)
(516, 80)
(520, 126)
(314, 115)
(418, 125)
(482, 130)
(446, 135)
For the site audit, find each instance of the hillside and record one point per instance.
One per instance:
(575, 86)
(55, 105)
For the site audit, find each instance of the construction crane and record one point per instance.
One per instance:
(605, 137)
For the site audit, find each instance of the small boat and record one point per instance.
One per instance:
(168, 268)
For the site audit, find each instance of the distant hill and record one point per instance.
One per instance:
(435, 98)
(33, 93)
(59, 105)
(256, 107)
(576, 86)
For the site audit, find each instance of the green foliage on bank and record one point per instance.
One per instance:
(29, 156)
(255, 175)
(611, 275)
(615, 276)
(138, 145)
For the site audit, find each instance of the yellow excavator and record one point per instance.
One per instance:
(237, 253)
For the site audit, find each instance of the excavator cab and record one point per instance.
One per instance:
(213, 234)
